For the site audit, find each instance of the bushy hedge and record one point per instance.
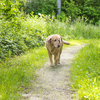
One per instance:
(9, 9)
(71, 9)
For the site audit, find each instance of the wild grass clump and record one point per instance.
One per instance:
(86, 72)
(80, 30)
(15, 74)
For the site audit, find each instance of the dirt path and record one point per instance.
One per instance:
(54, 83)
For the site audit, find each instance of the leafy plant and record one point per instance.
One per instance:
(71, 9)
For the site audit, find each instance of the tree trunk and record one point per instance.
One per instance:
(58, 7)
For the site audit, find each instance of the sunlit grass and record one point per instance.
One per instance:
(16, 73)
(86, 71)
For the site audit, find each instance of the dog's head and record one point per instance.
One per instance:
(55, 40)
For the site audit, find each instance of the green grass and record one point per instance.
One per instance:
(16, 73)
(85, 71)
(24, 33)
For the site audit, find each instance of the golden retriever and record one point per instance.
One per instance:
(54, 44)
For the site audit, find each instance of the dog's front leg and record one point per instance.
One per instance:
(50, 57)
(59, 59)
(56, 59)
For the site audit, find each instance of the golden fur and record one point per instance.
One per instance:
(54, 44)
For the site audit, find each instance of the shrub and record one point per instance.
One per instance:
(72, 8)
(62, 17)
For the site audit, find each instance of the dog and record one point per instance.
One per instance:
(54, 44)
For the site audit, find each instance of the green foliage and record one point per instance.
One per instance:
(62, 17)
(16, 73)
(9, 9)
(20, 32)
(79, 29)
(86, 72)
(10, 39)
(40, 6)
(23, 33)
(71, 9)
(91, 11)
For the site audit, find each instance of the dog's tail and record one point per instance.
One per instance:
(65, 42)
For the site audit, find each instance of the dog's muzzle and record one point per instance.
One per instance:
(58, 46)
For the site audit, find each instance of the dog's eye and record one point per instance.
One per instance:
(59, 41)
(55, 40)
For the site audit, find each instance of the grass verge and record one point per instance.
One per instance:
(16, 73)
(85, 71)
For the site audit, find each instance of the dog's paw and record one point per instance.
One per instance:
(52, 65)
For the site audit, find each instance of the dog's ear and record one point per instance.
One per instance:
(49, 40)
(60, 39)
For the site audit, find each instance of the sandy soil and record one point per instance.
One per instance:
(53, 83)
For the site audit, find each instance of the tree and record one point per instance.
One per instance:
(58, 7)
